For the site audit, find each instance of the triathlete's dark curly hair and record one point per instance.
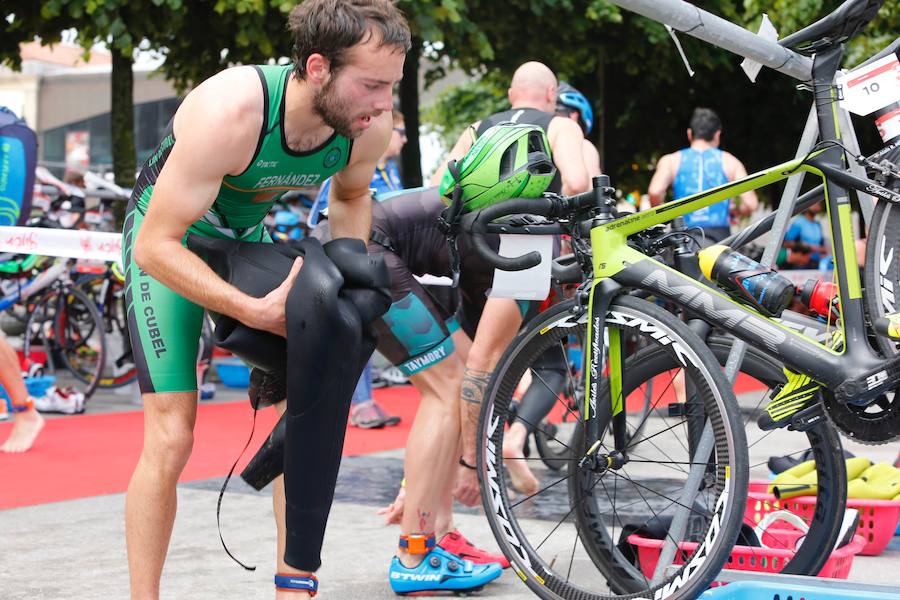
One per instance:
(704, 124)
(331, 27)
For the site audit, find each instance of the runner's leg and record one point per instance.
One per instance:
(431, 445)
(27, 422)
(151, 499)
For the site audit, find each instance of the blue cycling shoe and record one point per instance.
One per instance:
(441, 571)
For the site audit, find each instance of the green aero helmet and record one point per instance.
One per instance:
(507, 161)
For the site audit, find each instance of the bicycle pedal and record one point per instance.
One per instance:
(888, 325)
(807, 418)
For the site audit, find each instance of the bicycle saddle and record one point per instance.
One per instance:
(837, 27)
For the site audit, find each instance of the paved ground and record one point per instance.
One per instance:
(76, 550)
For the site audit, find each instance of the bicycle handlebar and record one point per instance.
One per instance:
(480, 219)
(551, 206)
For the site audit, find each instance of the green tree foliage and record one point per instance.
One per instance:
(626, 64)
(121, 23)
(643, 97)
(458, 106)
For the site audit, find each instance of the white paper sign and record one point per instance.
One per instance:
(93, 245)
(767, 32)
(889, 125)
(869, 88)
(530, 284)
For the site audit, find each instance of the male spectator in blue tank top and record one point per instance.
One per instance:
(805, 236)
(700, 167)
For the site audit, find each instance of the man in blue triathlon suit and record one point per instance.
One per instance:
(700, 167)
(237, 143)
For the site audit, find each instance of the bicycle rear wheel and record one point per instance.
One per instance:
(540, 533)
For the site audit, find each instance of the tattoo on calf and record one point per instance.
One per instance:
(474, 384)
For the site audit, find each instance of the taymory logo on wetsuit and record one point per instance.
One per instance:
(420, 362)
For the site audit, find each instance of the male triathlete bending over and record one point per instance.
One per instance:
(532, 96)
(237, 143)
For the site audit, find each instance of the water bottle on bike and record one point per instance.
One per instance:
(746, 280)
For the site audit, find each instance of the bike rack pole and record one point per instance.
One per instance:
(685, 504)
(848, 136)
(717, 31)
(791, 191)
(735, 358)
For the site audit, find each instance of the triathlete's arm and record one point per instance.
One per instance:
(349, 199)
(567, 144)
(662, 179)
(462, 145)
(213, 139)
(591, 159)
(734, 169)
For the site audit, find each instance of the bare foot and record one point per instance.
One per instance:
(26, 427)
(523, 480)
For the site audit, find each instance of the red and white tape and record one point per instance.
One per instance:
(90, 245)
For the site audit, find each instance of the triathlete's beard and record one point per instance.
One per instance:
(334, 111)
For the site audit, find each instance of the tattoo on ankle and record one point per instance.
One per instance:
(423, 520)
(474, 384)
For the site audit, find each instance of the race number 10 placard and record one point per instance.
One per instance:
(874, 86)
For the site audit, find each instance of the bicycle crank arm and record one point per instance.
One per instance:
(863, 389)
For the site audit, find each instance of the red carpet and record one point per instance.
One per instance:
(91, 455)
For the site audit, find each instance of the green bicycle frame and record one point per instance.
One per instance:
(615, 260)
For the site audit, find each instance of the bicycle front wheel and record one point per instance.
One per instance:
(69, 327)
(586, 533)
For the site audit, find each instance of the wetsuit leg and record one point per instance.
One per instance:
(548, 378)
(338, 293)
(327, 325)
(414, 334)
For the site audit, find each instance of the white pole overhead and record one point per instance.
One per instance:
(689, 19)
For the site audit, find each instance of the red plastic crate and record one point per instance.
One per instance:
(877, 518)
(751, 558)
